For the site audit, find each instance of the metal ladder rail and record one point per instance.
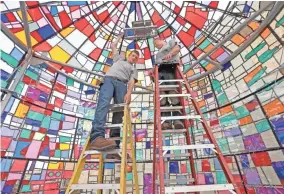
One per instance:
(211, 137)
(187, 133)
(127, 129)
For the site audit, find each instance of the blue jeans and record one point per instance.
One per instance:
(110, 88)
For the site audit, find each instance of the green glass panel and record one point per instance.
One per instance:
(45, 122)
(98, 66)
(280, 22)
(267, 55)
(228, 119)
(35, 115)
(162, 28)
(20, 87)
(204, 63)
(9, 59)
(242, 112)
(64, 139)
(139, 154)
(57, 153)
(255, 50)
(221, 178)
(129, 176)
(105, 53)
(216, 86)
(25, 133)
(26, 188)
(204, 44)
(257, 76)
(31, 74)
(222, 99)
(56, 115)
(262, 126)
(151, 44)
(70, 82)
(3, 84)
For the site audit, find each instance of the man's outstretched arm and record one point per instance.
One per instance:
(114, 45)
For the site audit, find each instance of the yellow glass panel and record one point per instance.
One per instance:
(21, 111)
(21, 35)
(67, 31)
(59, 54)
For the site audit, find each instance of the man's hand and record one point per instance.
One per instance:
(168, 57)
(127, 98)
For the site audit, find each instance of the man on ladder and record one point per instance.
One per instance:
(167, 58)
(121, 73)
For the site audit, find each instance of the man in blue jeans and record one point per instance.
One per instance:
(121, 73)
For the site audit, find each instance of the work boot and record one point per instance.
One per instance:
(166, 126)
(102, 144)
(178, 124)
(174, 100)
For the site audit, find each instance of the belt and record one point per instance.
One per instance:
(118, 79)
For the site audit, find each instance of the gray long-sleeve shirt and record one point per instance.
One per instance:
(122, 69)
(164, 51)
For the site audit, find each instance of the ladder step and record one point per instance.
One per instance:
(199, 188)
(174, 95)
(188, 147)
(94, 186)
(107, 160)
(173, 131)
(115, 151)
(117, 107)
(188, 180)
(171, 80)
(170, 108)
(176, 155)
(114, 126)
(168, 87)
(181, 117)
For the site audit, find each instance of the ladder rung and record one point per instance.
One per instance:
(188, 180)
(94, 186)
(170, 108)
(102, 152)
(174, 95)
(171, 80)
(181, 117)
(117, 107)
(168, 87)
(176, 155)
(199, 188)
(173, 131)
(114, 126)
(107, 160)
(188, 147)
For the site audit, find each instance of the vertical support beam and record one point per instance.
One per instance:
(13, 86)
(211, 137)
(101, 170)
(124, 153)
(154, 148)
(160, 135)
(187, 125)
(134, 166)
(26, 24)
(79, 167)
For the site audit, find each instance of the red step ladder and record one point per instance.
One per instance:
(159, 153)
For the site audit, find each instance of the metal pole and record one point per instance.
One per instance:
(26, 25)
(25, 64)
(229, 36)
